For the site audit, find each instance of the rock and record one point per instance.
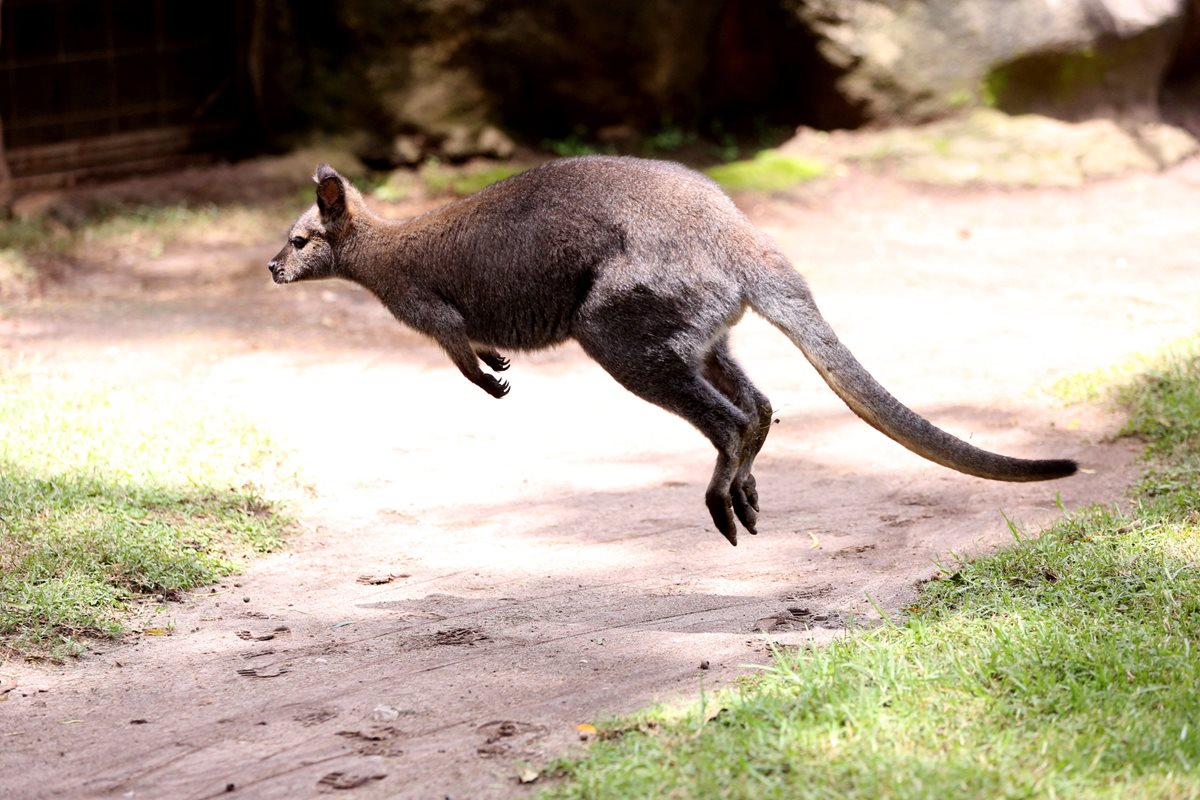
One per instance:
(495, 143)
(434, 97)
(438, 67)
(385, 713)
(906, 60)
(407, 150)
(463, 142)
(33, 205)
(460, 143)
(1166, 144)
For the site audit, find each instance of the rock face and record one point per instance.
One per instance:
(453, 77)
(437, 73)
(912, 60)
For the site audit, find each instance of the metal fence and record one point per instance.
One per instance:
(92, 88)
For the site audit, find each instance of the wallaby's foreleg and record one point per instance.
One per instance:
(651, 370)
(494, 360)
(460, 352)
(723, 371)
(435, 317)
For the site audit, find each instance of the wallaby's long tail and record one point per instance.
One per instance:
(784, 300)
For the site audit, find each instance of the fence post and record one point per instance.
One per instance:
(5, 173)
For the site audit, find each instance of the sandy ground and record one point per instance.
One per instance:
(474, 578)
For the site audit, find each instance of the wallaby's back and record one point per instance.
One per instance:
(521, 257)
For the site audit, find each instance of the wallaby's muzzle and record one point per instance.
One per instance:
(276, 266)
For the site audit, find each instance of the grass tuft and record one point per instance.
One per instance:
(110, 494)
(1122, 381)
(1063, 666)
(1165, 402)
(464, 181)
(435, 178)
(768, 171)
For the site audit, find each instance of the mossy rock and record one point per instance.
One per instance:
(1072, 59)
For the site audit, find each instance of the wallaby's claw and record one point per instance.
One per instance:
(495, 361)
(750, 488)
(499, 388)
(721, 510)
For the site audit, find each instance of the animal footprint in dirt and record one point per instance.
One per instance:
(500, 735)
(460, 636)
(797, 619)
(378, 740)
(379, 580)
(348, 780)
(315, 716)
(280, 630)
(263, 672)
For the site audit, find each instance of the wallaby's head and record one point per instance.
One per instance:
(316, 238)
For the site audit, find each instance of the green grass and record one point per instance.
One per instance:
(435, 178)
(111, 494)
(1124, 381)
(463, 182)
(768, 171)
(29, 247)
(1165, 403)
(27, 244)
(576, 144)
(1066, 665)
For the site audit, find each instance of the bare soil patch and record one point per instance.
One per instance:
(475, 578)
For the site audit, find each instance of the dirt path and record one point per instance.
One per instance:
(477, 577)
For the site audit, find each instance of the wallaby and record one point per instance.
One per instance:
(647, 264)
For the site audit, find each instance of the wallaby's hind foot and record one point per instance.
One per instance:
(721, 508)
(743, 507)
(750, 488)
(623, 339)
(724, 373)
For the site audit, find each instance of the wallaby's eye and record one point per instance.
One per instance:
(298, 242)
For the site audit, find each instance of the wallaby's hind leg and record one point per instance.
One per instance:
(647, 367)
(723, 371)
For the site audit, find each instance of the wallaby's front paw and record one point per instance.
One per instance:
(496, 388)
(495, 361)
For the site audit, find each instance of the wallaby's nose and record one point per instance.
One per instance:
(273, 266)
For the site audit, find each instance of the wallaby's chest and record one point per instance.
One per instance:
(523, 309)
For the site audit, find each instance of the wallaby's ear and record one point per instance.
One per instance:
(331, 195)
